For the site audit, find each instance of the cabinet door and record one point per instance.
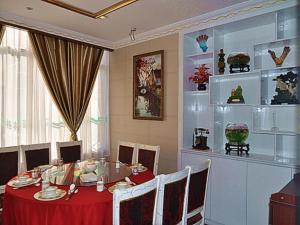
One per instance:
(262, 181)
(194, 160)
(228, 191)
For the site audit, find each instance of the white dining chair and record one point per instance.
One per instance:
(197, 193)
(69, 151)
(140, 200)
(148, 156)
(173, 197)
(36, 154)
(126, 152)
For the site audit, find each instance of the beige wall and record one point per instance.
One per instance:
(122, 126)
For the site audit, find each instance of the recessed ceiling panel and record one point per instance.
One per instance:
(90, 5)
(100, 13)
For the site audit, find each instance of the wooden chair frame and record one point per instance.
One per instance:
(11, 149)
(171, 178)
(203, 166)
(133, 192)
(153, 148)
(128, 144)
(33, 147)
(68, 144)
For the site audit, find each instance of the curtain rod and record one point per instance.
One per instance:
(53, 35)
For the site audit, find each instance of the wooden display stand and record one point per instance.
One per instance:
(285, 205)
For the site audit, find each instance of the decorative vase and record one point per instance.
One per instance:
(201, 87)
(221, 63)
(203, 45)
(236, 133)
(202, 42)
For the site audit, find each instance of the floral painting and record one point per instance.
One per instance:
(148, 86)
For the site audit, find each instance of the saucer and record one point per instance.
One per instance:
(44, 167)
(59, 194)
(112, 188)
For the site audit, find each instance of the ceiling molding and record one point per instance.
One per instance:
(51, 29)
(228, 14)
(96, 15)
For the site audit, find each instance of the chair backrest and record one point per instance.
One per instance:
(69, 151)
(148, 155)
(197, 192)
(136, 205)
(36, 155)
(9, 163)
(126, 152)
(172, 198)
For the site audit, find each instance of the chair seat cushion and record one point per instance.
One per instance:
(194, 219)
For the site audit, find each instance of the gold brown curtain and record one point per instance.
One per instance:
(2, 30)
(69, 70)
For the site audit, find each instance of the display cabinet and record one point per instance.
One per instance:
(269, 107)
(273, 122)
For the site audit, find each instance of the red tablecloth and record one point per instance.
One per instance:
(87, 207)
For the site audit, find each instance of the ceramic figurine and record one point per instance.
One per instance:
(238, 62)
(279, 60)
(286, 85)
(202, 42)
(236, 96)
(221, 63)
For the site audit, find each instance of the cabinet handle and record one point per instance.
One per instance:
(281, 197)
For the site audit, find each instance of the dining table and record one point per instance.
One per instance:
(86, 207)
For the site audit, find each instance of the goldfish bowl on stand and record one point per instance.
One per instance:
(236, 134)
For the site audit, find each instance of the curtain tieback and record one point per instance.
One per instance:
(73, 136)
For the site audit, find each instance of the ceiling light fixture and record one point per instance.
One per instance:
(102, 17)
(131, 34)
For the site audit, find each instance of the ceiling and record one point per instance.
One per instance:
(145, 15)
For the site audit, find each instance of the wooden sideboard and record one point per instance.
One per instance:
(285, 205)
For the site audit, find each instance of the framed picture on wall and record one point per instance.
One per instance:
(148, 86)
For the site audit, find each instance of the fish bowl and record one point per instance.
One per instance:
(236, 133)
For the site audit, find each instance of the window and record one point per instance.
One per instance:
(28, 114)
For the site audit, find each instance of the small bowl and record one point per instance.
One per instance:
(121, 185)
(90, 167)
(49, 192)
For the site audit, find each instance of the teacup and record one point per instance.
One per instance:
(23, 178)
(139, 166)
(122, 185)
(90, 167)
(49, 192)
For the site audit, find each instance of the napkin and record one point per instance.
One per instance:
(88, 177)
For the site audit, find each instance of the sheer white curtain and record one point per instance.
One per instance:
(27, 112)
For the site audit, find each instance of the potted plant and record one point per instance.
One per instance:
(201, 77)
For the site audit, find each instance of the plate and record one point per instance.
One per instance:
(142, 169)
(112, 188)
(15, 183)
(60, 193)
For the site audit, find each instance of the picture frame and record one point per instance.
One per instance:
(148, 86)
